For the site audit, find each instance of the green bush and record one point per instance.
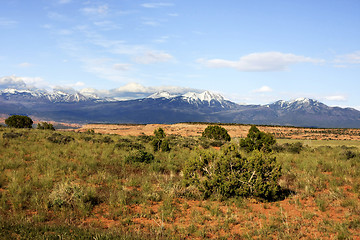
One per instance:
(11, 135)
(45, 126)
(294, 147)
(71, 195)
(19, 121)
(228, 174)
(160, 142)
(165, 146)
(216, 133)
(159, 133)
(61, 139)
(129, 145)
(257, 140)
(139, 156)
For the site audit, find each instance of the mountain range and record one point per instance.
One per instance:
(163, 107)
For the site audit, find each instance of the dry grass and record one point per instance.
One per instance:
(195, 130)
(87, 189)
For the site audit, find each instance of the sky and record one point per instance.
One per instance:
(253, 52)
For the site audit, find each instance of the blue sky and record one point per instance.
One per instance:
(253, 52)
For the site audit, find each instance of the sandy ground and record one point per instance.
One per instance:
(185, 129)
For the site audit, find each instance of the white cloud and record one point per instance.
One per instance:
(151, 23)
(64, 1)
(57, 16)
(335, 98)
(153, 57)
(77, 84)
(107, 25)
(162, 39)
(260, 62)
(352, 58)
(101, 10)
(105, 68)
(64, 32)
(157, 5)
(122, 66)
(36, 82)
(7, 23)
(12, 82)
(263, 89)
(135, 90)
(22, 82)
(25, 65)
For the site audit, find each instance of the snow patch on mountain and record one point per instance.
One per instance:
(163, 94)
(55, 96)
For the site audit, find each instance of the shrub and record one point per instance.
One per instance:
(257, 140)
(71, 195)
(19, 121)
(107, 139)
(228, 174)
(347, 153)
(159, 142)
(90, 131)
(11, 135)
(61, 139)
(45, 126)
(294, 147)
(216, 132)
(139, 156)
(165, 147)
(129, 145)
(159, 133)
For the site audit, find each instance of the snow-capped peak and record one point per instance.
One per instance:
(163, 94)
(17, 91)
(301, 101)
(55, 96)
(204, 96)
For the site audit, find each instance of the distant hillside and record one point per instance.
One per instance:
(163, 107)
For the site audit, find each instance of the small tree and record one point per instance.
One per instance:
(257, 140)
(160, 142)
(217, 133)
(19, 121)
(159, 133)
(45, 126)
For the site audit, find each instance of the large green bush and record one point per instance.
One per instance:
(257, 140)
(45, 126)
(228, 174)
(19, 121)
(216, 133)
(61, 139)
(139, 156)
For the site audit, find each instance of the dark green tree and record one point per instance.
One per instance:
(160, 142)
(45, 126)
(19, 121)
(159, 133)
(216, 132)
(257, 140)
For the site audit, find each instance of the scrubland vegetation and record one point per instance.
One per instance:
(67, 185)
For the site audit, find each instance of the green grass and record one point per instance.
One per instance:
(318, 143)
(52, 190)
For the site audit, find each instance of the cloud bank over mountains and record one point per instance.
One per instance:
(129, 91)
(261, 62)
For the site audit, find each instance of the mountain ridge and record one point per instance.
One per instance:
(163, 107)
